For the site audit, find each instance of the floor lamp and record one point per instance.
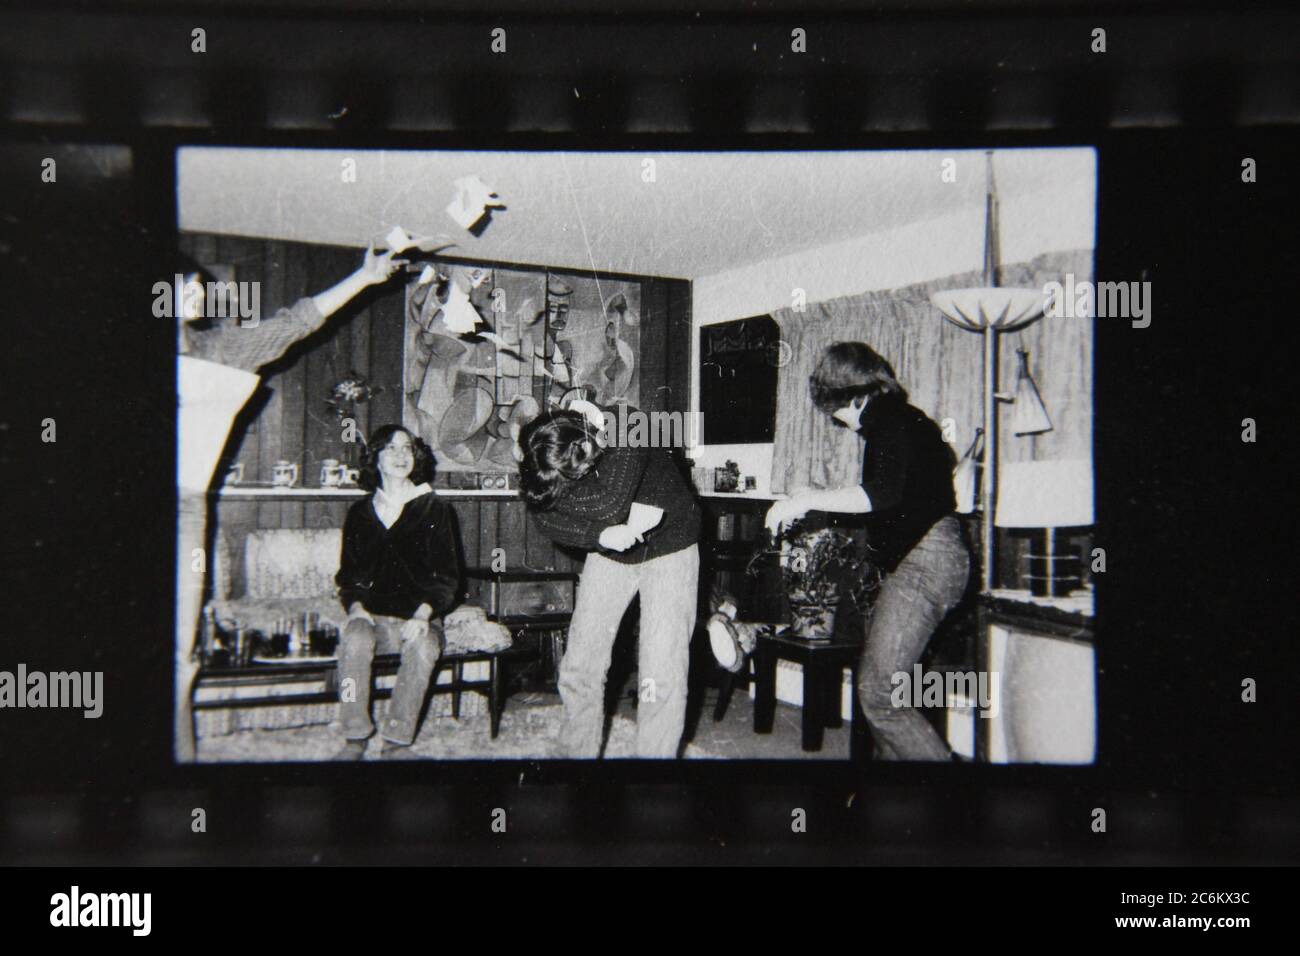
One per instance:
(990, 309)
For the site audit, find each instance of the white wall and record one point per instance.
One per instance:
(1054, 220)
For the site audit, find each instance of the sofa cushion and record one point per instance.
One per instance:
(292, 563)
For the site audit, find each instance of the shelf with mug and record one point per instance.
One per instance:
(337, 480)
(346, 492)
(281, 491)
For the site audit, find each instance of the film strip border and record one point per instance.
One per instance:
(606, 78)
(602, 822)
(253, 70)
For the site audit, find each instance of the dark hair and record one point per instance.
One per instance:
(849, 370)
(558, 447)
(190, 270)
(187, 266)
(421, 471)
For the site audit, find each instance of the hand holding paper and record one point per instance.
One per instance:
(618, 537)
(376, 268)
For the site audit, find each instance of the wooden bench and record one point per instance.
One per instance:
(269, 675)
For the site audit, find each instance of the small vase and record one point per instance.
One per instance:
(351, 449)
(812, 622)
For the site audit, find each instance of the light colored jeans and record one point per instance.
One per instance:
(358, 645)
(668, 586)
(925, 586)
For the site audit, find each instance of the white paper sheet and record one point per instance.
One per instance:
(642, 517)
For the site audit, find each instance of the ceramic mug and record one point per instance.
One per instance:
(330, 473)
(350, 475)
(284, 474)
(236, 473)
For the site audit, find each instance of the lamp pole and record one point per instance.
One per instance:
(990, 370)
(990, 448)
(990, 309)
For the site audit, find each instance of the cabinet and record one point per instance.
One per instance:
(1042, 653)
(732, 531)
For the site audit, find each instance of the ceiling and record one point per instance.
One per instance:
(703, 213)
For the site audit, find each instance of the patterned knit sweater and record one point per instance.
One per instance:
(249, 347)
(622, 476)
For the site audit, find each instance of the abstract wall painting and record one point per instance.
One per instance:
(532, 341)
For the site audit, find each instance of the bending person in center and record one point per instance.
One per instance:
(399, 574)
(916, 540)
(582, 494)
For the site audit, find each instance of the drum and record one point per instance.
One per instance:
(726, 644)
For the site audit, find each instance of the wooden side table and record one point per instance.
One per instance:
(823, 662)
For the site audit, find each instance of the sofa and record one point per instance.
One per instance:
(287, 572)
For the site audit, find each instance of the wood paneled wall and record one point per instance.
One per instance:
(288, 418)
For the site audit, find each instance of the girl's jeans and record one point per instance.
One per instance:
(668, 586)
(925, 586)
(360, 642)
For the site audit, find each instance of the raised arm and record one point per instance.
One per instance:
(252, 344)
(372, 271)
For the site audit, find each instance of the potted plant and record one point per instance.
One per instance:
(343, 400)
(818, 567)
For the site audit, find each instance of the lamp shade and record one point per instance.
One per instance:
(1045, 494)
(993, 307)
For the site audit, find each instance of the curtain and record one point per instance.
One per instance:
(940, 365)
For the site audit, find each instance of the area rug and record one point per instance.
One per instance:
(526, 733)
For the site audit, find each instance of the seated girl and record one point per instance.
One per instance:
(399, 574)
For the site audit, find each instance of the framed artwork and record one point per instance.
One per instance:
(533, 339)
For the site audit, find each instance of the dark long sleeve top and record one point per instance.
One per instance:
(624, 475)
(907, 474)
(394, 570)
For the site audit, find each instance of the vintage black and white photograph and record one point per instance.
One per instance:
(676, 455)
(824, 435)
